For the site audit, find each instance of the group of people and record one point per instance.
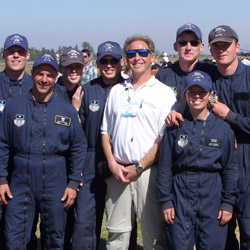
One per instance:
(171, 150)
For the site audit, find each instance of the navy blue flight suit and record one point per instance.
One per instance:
(67, 95)
(90, 200)
(91, 197)
(197, 176)
(10, 89)
(40, 137)
(234, 91)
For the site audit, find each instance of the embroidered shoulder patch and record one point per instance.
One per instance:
(19, 120)
(62, 120)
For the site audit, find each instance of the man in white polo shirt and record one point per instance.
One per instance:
(132, 128)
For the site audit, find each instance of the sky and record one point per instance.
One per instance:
(54, 23)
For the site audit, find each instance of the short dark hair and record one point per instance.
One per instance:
(155, 66)
(86, 51)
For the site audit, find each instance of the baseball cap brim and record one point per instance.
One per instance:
(206, 88)
(222, 39)
(67, 63)
(109, 54)
(24, 47)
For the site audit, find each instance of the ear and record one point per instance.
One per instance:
(202, 47)
(175, 47)
(211, 51)
(28, 55)
(3, 54)
(210, 96)
(122, 61)
(184, 96)
(97, 64)
(152, 57)
(237, 47)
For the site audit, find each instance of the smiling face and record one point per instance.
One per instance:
(110, 68)
(44, 77)
(15, 58)
(140, 66)
(188, 53)
(71, 74)
(197, 100)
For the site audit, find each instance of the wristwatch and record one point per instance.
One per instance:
(139, 168)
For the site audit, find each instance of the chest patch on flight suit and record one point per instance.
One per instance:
(214, 96)
(174, 89)
(19, 121)
(241, 96)
(2, 105)
(62, 120)
(183, 140)
(94, 106)
(213, 142)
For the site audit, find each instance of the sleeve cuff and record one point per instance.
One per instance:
(73, 184)
(3, 180)
(231, 116)
(167, 205)
(227, 207)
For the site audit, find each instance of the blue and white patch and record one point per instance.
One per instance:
(62, 120)
(183, 140)
(174, 89)
(108, 47)
(94, 106)
(19, 121)
(214, 96)
(2, 105)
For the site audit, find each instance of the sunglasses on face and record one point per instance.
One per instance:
(141, 52)
(85, 56)
(112, 61)
(193, 43)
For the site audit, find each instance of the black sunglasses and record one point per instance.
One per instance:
(112, 61)
(193, 43)
(141, 52)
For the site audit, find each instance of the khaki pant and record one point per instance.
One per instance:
(138, 197)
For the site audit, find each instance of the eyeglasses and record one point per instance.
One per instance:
(85, 56)
(142, 52)
(112, 61)
(193, 43)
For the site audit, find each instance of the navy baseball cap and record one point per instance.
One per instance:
(222, 33)
(16, 40)
(46, 59)
(109, 48)
(70, 56)
(199, 78)
(191, 28)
